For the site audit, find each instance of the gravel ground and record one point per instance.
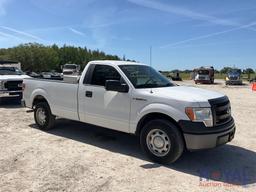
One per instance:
(79, 157)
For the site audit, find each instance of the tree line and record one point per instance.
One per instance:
(37, 57)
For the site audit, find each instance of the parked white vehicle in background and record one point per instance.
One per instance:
(11, 78)
(71, 69)
(136, 99)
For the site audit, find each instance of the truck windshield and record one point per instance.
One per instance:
(234, 72)
(69, 66)
(10, 71)
(142, 76)
(203, 72)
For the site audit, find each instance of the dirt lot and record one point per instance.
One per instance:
(79, 157)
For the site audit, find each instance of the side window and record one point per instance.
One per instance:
(102, 73)
(88, 75)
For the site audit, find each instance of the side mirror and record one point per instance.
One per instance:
(115, 85)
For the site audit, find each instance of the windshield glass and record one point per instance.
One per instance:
(234, 72)
(69, 66)
(203, 72)
(142, 76)
(10, 71)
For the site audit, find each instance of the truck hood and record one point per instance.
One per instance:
(186, 93)
(13, 77)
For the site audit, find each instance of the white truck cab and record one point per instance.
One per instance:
(136, 99)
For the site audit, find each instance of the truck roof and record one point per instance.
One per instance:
(114, 62)
(204, 68)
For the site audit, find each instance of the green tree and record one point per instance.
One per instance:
(225, 70)
(37, 57)
(249, 71)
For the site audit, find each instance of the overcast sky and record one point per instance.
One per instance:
(183, 33)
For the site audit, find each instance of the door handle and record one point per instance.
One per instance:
(88, 94)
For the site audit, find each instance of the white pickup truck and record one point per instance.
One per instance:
(11, 78)
(134, 98)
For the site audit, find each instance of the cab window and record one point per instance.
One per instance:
(101, 73)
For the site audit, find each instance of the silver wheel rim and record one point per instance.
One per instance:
(158, 142)
(40, 116)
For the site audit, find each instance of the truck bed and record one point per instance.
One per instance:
(61, 95)
(66, 79)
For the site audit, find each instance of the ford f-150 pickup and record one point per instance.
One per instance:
(134, 98)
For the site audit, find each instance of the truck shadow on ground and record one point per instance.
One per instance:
(10, 102)
(229, 164)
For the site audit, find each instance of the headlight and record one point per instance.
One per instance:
(200, 115)
(227, 78)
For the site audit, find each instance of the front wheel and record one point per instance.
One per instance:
(43, 116)
(162, 141)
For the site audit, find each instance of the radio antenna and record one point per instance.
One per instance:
(150, 62)
(150, 56)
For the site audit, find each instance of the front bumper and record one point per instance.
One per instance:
(203, 81)
(23, 103)
(234, 82)
(200, 137)
(10, 92)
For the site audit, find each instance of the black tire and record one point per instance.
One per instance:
(176, 141)
(49, 118)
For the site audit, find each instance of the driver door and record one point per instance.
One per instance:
(106, 108)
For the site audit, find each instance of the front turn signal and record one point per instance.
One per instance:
(190, 113)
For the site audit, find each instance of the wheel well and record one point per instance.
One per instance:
(152, 116)
(39, 99)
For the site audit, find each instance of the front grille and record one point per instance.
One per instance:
(221, 110)
(233, 78)
(13, 85)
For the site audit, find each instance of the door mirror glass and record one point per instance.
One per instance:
(115, 85)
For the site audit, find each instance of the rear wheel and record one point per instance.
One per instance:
(162, 141)
(43, 116)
